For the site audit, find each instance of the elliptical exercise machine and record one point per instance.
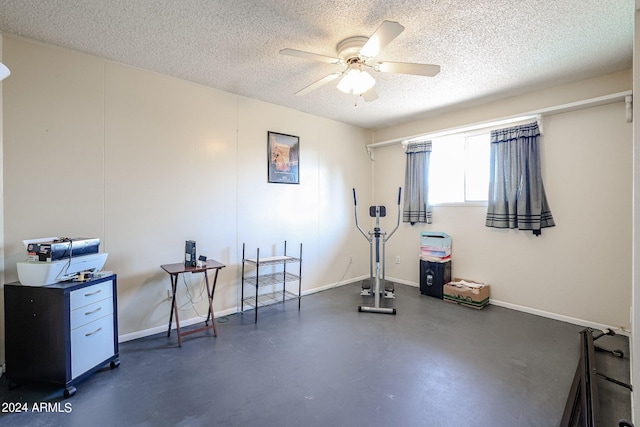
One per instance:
(377, 283)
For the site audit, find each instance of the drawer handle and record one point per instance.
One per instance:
(93, 293)
(94, 332)
(94, 311)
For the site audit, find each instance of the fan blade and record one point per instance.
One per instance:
(309, 55)
(427, 70)
(386, 32)
(315, 85)
(370, 95)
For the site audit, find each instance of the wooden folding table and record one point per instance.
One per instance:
(174, 271)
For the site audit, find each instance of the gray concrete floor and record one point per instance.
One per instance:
(433, 364)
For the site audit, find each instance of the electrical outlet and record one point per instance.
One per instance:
(398, 259)
(169, 294)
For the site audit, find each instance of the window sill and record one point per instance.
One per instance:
(461, 204)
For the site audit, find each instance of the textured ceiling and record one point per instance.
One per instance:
(487, 49)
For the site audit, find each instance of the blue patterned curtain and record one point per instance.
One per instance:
(516, 194)
(416, 184)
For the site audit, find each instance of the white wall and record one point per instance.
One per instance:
(580, 269)
(145, 162)
(635, 338)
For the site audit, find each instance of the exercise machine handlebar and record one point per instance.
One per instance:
(355, 204)
(398, 223)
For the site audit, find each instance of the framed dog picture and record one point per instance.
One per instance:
(283, 152)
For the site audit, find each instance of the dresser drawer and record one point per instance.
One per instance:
(91, 344)
(91, 294)
(89, 313)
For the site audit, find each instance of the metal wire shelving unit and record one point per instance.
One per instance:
(259, 281)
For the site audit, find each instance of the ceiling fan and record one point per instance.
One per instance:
(356, 55)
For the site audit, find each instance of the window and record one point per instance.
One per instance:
(459, 170)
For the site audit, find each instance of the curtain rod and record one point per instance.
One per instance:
(571, 106)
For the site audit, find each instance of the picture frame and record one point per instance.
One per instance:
(283, 154)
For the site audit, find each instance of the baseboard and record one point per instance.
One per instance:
(403, 282)
(516, 307)
(541, 313)
(561, 317)
(192, 321)
(333, 285)
(158, 329)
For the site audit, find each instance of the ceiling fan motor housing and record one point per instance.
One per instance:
(349, 49)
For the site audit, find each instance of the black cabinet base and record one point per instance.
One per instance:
(70, 387)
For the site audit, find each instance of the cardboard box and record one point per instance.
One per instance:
(467, 292)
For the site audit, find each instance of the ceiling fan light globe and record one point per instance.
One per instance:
(356, 82)
(364, 82)
(346, 83)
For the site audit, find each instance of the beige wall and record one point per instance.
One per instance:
(145, 162)
(2, 263)
(511, 107)
(580, 269)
